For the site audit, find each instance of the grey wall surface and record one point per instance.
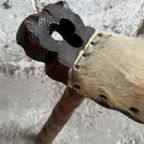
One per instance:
(121, 16)
(25, 103)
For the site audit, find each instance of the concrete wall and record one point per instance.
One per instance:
(121, 16)
(26, 103)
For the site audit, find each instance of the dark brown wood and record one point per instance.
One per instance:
(56, 70)
(62, 112)
(140, 30)
(34, 35)
(31, 47)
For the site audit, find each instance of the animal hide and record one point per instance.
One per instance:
(110, 70)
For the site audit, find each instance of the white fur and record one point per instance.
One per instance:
(114, 68)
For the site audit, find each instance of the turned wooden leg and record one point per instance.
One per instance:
(63, 110)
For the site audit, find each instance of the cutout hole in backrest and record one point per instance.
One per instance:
(66, 29)
(75, 40)
(55, 35)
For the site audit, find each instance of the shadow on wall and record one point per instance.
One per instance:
(11, 134)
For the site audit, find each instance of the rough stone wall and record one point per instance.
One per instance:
(121, 16)
(26, 104)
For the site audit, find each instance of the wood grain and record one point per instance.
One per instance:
(63, 110)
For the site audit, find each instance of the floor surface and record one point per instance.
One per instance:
(25, 105)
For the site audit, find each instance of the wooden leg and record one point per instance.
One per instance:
(63, 110)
